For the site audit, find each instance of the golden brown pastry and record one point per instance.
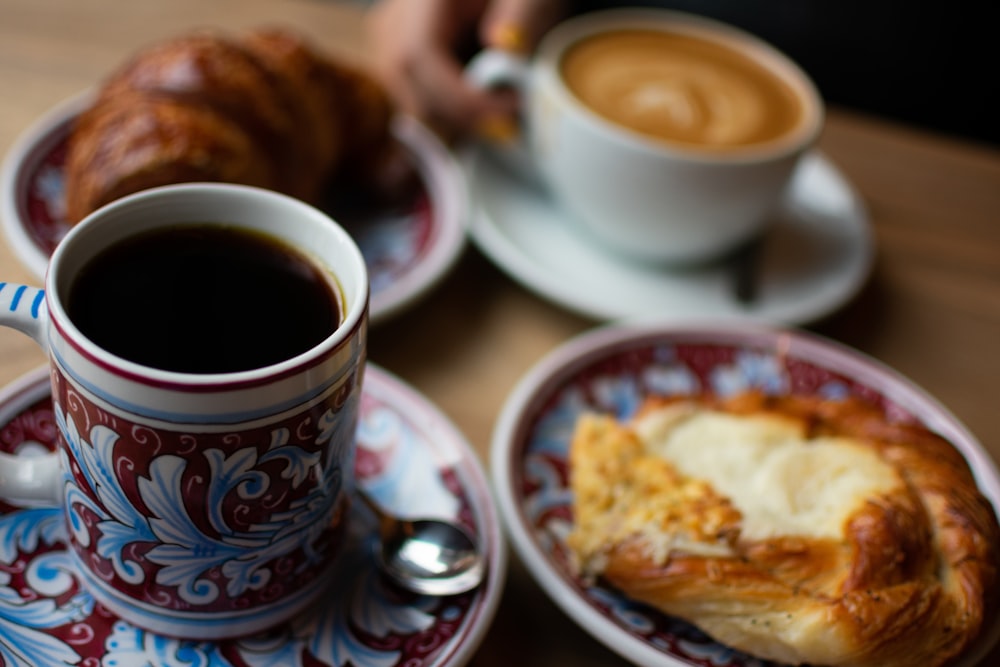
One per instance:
(796, 529)
(265, 109)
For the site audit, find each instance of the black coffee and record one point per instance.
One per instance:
(203, 299)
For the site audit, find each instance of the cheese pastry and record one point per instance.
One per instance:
(796, 529)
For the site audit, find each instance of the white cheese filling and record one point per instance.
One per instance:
(781, 482)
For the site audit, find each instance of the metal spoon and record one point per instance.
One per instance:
(745, 266)
(426, 556)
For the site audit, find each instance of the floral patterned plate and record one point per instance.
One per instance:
(410, 241)
(410, 457)
(612, 369)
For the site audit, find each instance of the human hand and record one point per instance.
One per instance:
(416, 47)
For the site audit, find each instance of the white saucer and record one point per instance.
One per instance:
(410, 457)
(408, 247)
(817, 256)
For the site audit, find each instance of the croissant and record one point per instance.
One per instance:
(266, 109)
(795, 529)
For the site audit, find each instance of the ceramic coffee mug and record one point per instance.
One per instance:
(200, 503)
(669, 137)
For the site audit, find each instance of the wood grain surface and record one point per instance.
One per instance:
(931, 309)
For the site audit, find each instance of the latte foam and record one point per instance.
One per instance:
(680, 89)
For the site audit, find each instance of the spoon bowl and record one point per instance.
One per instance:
(426, 556)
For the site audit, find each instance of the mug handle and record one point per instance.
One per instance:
(498, 68)
(27, 480)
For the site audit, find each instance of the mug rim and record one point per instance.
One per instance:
(554, 45)
(354, 306)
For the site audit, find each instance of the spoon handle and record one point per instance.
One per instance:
(745, 264)
(385, 521)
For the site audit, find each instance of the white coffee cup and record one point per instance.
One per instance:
(652, 198)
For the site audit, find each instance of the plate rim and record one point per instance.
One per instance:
(12, 174)
(582, 350)
(439, 170)
(488, 236)
(445, 182)
(498, 561)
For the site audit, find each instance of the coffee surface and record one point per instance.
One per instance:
(204, 299)
(680, 89)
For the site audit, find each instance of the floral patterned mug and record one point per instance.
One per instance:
(199, 505)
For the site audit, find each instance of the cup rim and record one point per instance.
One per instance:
(555, 43)
(355, 304)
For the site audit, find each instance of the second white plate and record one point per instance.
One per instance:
(817, 256)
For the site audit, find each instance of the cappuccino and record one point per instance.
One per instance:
(668, 137)
(681, 89)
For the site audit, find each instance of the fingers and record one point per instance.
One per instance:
(518, 25)
(413, 44)
(515, 26)
(398, 37)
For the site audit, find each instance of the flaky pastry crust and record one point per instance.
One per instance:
(908, 578)
(265, 109)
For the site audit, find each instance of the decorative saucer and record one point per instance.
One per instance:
(815, 257)
(612, 369)
(410, 457)
(409, 245)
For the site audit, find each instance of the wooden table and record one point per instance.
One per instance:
(931, 309)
